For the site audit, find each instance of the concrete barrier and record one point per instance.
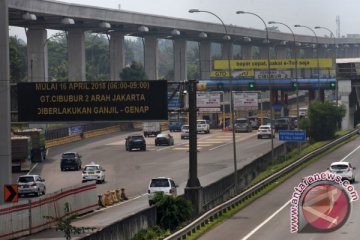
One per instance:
(27, 216)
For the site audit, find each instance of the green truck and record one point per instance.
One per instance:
(20, 153)
(38, 143)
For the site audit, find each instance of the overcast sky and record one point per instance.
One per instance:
(304, 12)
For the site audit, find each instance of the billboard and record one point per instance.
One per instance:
(274, 63)
(245, 100)
(208, 99)
(92, 101)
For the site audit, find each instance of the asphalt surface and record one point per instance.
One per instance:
(133, 170)
(269, 216)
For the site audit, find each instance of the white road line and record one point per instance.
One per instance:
(283, 206)
(219, 146)
(32, 169)
(266, 221)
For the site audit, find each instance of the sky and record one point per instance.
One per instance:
(304, 12)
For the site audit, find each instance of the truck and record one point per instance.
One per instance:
(151, 128)
(38, 144)
(20, 153)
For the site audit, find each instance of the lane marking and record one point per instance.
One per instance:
(265, 221)
(283, 206)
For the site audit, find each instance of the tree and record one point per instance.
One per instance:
(18, 63)
(172, 211)
(64, 224)
(58, 57)
(133, 73)
(323, 119)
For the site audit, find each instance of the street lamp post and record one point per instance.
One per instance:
(296, 69)
(269, 73)
(227, 37)
(335, 56)
(317, 55)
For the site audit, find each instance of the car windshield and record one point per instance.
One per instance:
(26, 179)
(91, 168)
(201, 121)
(68, 155)
(185, 127)
(339, 167)
(265, 127)
(241, 121)
(137, 137)
(161, 136)
(159, 183)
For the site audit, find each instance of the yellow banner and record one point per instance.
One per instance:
(225, 74)
(274, 63)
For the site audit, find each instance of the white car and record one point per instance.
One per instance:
(344, 169)
(93, 172)
(265, 131)
(161, 184)
(31, 184)
(202, 126)
(185, 132)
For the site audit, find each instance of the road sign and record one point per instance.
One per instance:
(292, 135)
(11, 193)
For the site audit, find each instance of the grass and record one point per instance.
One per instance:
(293, 156)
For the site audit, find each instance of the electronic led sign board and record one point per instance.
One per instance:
(92, 101)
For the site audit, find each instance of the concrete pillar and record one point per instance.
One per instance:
(281, 52)
(263, 52)
(246, 52)
(76, 53)
(344, 93)
(37, 55)
(151, 59)
(205, 59)
(5, 150)
(227, 50)
(117, 55)
(180, 66)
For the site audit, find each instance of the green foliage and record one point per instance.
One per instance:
(172, 211)
(133, 73)
(324, 118)
(64, 224)
(58, 57)
(97, 57)
(18, 61)
(155, 233)
(304, 124)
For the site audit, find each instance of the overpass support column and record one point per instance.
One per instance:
(263, 52)
(116, 55)
(76, 54)
(281, 52)
(205, 59)
(151, 60)
(246, 52)
(344, 96)
(5, 149)
(180, 67)
(37, 55)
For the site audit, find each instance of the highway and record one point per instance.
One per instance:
(133, 170)
(269, 216)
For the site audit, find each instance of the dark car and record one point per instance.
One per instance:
(135, 142)
(284, 124)
(242, 125)
(70, 161)
(164, 139)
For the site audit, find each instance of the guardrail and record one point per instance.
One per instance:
(224, 207)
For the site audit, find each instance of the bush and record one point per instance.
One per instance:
(172, 211)
(155, 233)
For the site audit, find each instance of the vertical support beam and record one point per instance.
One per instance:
(193, 189)
(263, 52)
(76, 54)
(117, 56)
(37, 55)
(281, 52)
(151, 59)
(5, 150)
(246, 52)
(180, 66)
(344, 95)
(205, 59)
(227, 50)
